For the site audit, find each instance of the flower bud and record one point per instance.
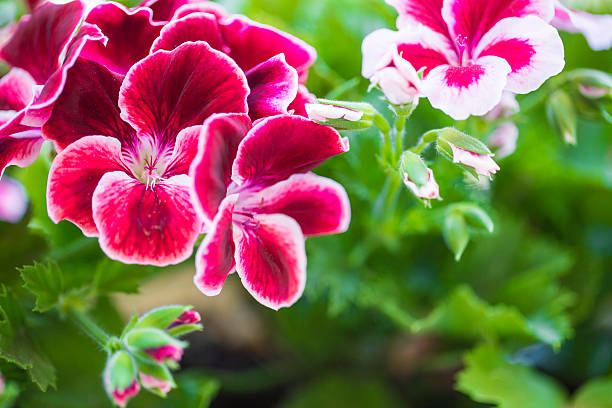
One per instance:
(187, 317)
(120, 379)
(592, 84)
(467, 151)
(418, 177)
(154, 384)
(341, 115)
(562, 116)
(155, 343)
(507, 107)
(399, 83)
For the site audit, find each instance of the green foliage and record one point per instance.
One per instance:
(17, 343)
(597, 393)
(46, 282)
(343, 390)
(490, 379)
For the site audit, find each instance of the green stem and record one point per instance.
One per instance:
(400, 123)
(386, 152)
(89, 326)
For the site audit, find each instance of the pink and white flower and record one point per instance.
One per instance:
(505, 135)
(126, 145)
(470, 51)
(254, 189)
(13, 200)
(594, 27)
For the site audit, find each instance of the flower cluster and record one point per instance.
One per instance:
(468, 52)
(146, 352)
(128, 96)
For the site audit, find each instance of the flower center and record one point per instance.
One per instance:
(245, 220)
(150, 164)
(462, 41)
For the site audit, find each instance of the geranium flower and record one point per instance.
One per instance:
(253, 188)
(595, 27)
(127, 144)
(470, 51)
(41, 48)
(275, 63)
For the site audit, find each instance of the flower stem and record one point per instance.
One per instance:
(89, 326)
(400, 123)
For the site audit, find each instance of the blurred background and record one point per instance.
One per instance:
(388, 318)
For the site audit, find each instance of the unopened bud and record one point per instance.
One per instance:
(466, 151)
(341, 115)
(418, 177)
(562, 116)
(120, 379)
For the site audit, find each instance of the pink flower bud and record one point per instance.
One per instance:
(160, 354)
(187, 317)
(154, 383)
(324, 112)
(482, 163)
(428, 191)
(121, 397)
(507, 107)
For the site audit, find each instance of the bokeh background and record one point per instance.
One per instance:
(388, 318)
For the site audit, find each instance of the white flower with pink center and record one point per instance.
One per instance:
(470, 51)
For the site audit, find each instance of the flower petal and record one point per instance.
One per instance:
(469, 20)
(415, 12)
(88, 106)
(532, 47)
(163, 10)
(16, 90)
(252, 43)
(13, 200)
(463, 91)
(185, 151)
(199, 6)
(40, 110)
(74, 175)
(271, 260)
(130, 35)
(421, 47)
(318, 204)
(171, 90)
(274, 85)
(155, 226)
(40, 39)
(277, 147)
(193, 27)
(215, 258)
(594, 27)
(212, 168)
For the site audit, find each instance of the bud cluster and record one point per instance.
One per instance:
(146, 351)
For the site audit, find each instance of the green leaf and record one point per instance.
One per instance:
(17, 346)
(46, 282)
(111, 277)
(596, 393)
(488, 378)
(456, 234)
